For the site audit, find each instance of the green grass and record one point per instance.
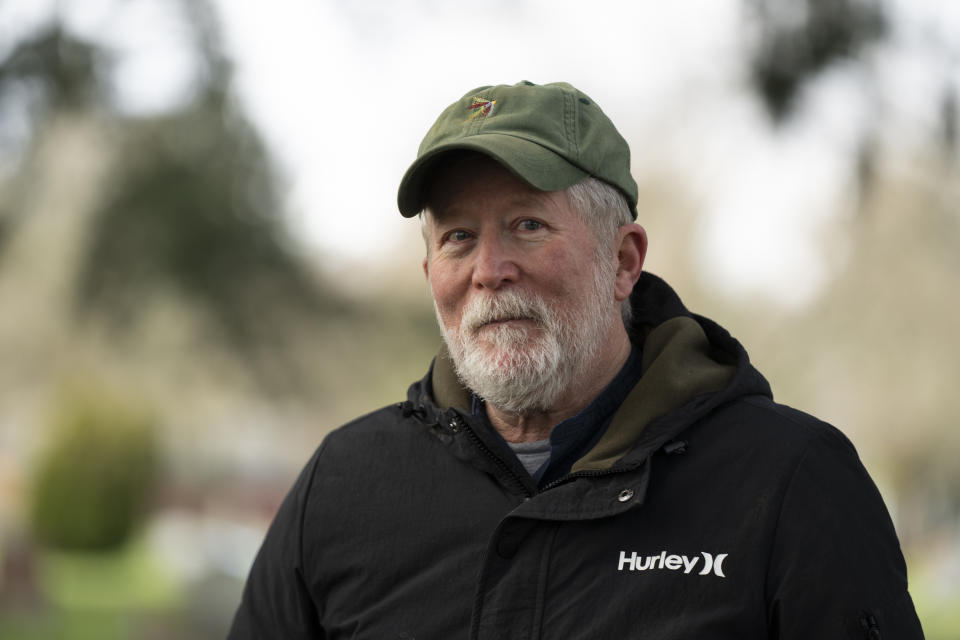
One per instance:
(112, 581)
(99, 596)
(61, 625)
(939, 613)
(97, 625)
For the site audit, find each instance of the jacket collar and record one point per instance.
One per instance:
(691, 365)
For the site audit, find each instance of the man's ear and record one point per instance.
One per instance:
(426, 269)
(631, 251)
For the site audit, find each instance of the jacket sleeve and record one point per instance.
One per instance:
(276, 602)
(836, 569)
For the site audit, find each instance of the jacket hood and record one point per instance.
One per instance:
(690, 364)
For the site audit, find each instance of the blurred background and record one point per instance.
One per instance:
(202, 270)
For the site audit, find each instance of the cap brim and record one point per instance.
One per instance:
(536, 165)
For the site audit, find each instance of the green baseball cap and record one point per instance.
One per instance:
(550, 136)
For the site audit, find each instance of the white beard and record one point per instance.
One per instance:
(526, 368)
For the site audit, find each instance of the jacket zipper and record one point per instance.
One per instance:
(570, 477)
(455, 424)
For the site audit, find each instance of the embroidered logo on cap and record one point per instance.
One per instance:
(481, 107)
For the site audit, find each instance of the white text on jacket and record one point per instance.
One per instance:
(635, 562)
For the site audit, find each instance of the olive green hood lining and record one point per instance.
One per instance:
(447, 389)
(677, 367)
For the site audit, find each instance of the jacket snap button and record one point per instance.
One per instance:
(625, 495)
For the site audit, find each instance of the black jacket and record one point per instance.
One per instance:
(705, 511)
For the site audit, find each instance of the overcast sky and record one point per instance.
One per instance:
(343, 92)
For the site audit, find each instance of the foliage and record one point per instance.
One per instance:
(193, 207)
(799, 39)
(190, 204)
(46, 73)
(57, 69)
(95, 477)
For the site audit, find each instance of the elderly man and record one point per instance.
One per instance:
(585, 458)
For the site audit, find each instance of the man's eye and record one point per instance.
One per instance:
(531, 225)
(458, 236)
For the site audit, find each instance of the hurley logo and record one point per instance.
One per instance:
(481, 107)
(634, 562)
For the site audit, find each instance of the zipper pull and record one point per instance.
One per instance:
(454, 423)
(418, 411)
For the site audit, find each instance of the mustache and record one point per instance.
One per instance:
(508, 305)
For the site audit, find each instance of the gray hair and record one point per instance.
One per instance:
(603, 208)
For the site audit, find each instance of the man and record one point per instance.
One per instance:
(585, 458)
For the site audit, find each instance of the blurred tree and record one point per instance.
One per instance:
(57, 68)
(950, 119)
(93, 482)
(191, 204)
(47, 73)
(798, 39)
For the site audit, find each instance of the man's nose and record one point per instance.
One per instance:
(494, 266)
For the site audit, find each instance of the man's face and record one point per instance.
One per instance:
(523, 300)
